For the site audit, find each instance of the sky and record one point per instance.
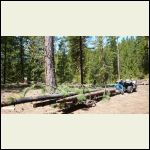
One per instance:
(93, 38)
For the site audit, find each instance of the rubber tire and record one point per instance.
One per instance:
(135, 90)
(130, 89)
(122, 92)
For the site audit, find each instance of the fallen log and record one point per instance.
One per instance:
(72, 99)
(143, 84)
(88, 95)
(47, 102)
(37, 98)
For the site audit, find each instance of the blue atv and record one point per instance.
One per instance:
(120, 87)
(128, 86)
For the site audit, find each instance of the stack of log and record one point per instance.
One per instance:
(143, 82)
(58, 98)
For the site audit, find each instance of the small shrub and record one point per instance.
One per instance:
(12, 98)
(77, 91)
(54, 105)
(35, 86)
(63, 89)
(62, 105)
(25, 91)
(106, 96)
(81, 98)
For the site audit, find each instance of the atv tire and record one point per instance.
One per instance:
(135, 90)
(130, 89)
(122, 92)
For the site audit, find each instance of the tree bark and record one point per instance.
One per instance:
(81, 61)
(22, 59)
(63, 65)
(5, 57)
(118, 60)
(49, 62)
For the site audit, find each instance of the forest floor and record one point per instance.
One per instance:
(134, 103)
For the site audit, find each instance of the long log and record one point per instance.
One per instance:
(92, 95)
(48, 102)
(44, 103)
(88, 95)
(37, 98)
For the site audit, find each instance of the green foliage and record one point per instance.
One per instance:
(106, 96)
(74, 54)
(77, 90)
(40, 86)
(62, 105)
(10, 100)
(63, 89)
(23, 56)
(54, 105)
(81, 98)
(63, 68)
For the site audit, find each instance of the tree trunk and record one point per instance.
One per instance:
(63, 65)
(81, 61)
(22, 59)
(4, 73)
(49, 62)
(118, 64)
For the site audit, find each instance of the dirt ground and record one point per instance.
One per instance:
(134, 103)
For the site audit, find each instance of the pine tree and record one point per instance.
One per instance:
(77, 54)
(63, 68)
(49, 62)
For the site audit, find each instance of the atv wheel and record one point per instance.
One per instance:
(135, 90)
(122, 92)
(130, 89)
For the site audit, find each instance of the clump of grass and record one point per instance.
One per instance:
(54, 105)
(35, 86)
(86, 90)
(62, 105)
(77, 90)
(63, 89)
(26, 90)
(12, 98)
(106, 95)
(42, 87)
(81, 98)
